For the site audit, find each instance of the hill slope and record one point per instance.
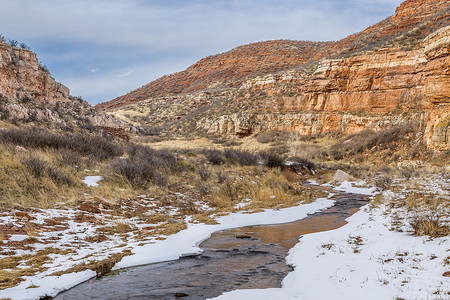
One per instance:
(395, 71)
(232, 67)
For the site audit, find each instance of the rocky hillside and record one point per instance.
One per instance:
(226, 70)
(393, 72)
(29, 94)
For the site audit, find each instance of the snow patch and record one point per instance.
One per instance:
(92, 180)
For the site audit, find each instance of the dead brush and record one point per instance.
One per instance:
(430, 225)
(188, 207)
(30, 230)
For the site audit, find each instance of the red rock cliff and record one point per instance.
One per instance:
(21, 75)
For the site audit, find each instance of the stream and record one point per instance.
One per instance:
(243, 258)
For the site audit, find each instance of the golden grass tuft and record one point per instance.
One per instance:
(100, 267)
(169, 228)
(120, 227)
(205, 219)
(430, 225)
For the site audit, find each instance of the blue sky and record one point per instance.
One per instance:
(102, 49)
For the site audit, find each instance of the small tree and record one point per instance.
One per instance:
(24, 46)
(2, 37)
(13, 43)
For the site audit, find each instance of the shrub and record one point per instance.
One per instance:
(204, 173)
(271, 136)
(163, 159)
(221, 176)
(89, 145)
(36, 165)
(59, 177)
(272, 159)
(13, 43)
(298, 164)
(242, 157)
(368, 139)
(138, 174)
(24, 46)
(214, 156)
(40, 168)
(70, 158)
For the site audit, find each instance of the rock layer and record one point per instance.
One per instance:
(394, 72)
(373, 90)
(21, 76)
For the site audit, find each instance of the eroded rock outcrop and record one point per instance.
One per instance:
(22, 76)
(373, 90)
(29, 94)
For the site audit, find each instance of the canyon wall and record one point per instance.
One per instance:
(374, 90)
(21, 76)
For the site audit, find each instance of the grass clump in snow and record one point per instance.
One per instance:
(430, 225)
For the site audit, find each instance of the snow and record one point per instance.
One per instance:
(364, 259)
(183, 243)
(49, 286)
(92, 180)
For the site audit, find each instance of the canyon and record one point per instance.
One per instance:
(394, 72)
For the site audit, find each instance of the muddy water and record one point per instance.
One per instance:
(244, 258)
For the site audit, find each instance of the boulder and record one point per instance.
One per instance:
(340, 176)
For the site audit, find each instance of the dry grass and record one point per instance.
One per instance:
(205, 219)
(100, 267)
(169, 228)
(14, 268)
(430, 225)
(120, 227)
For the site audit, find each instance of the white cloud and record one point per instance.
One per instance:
(126, 74)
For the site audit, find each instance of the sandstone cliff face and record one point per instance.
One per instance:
(29, 94)
(21, 75)
(373, 90)
(413, 21)
(394, 72)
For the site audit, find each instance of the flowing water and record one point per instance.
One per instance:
(243, 258)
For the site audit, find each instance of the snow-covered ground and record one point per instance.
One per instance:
(366, 259)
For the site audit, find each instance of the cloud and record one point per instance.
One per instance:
(119, 36)
(126, 74)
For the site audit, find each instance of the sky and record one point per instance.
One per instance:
(102, 49)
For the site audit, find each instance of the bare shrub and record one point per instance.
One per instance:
(204, 173)
(271, 159)
(162, 158)
(36, 165)
(368, 139)
(70, 158)
(139, 174)
(59, 177)
(33, 137)
(271, 136)
(298, 164)
(214, 156)
(221, 176)
(242, 157)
